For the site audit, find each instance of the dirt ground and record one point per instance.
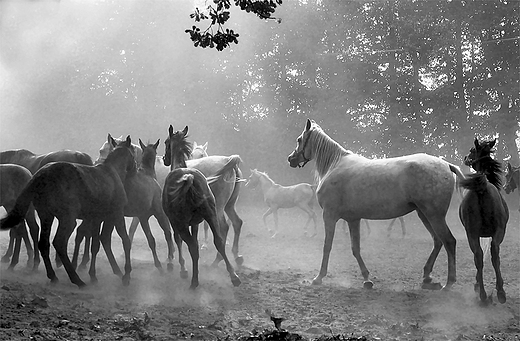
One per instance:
(276, 276)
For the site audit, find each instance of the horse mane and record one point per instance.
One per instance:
(328, 152)
(266, 176)
(493, 171)
(476, 182)
(183, 148)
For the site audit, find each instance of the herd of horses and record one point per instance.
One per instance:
(186, 187)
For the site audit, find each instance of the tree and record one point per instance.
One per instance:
(218, 14)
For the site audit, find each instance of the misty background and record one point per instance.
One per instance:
(382, 78)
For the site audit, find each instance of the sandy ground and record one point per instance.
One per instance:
(276, 276)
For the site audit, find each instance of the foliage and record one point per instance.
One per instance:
(219, 14)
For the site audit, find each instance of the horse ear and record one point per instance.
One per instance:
(156, 144)
(142, 144)
(195, 144)
(308, 126)
(170, 130)
(111, 141)
(128, 141)
(492, 143)
(475, 142)
(508, 167)
(185, 131)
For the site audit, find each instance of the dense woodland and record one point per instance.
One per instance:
(383, 78)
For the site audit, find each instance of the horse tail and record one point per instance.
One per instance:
(19, 211)
(183, 191)
(232, 164)
(475, 182)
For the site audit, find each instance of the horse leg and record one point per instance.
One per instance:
(268, 212)
(275, 218)
(449, 242)
(389, 229)
(330, 227)
(178, 240)
(34, 230)
(162, 219)
(80, 235)
(121, 230)
(219, 241)
(133, 228)
(151, 242)
(237, 222)
(28, 245)
(495, 260)
(12, 235)
(105, 238)
(17, 237)
(193, 247)
(403, 228)
(65, 228)
(478, 257)
(94, 249)
(311, 216)
(223, 232)
(44, 244)
(355, 236)
(86, 248)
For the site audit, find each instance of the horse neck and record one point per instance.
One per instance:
(326, 152)
(266, 182)
(491, 169)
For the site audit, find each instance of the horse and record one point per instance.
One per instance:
(484, 212)
(512, 179)
(33, 162)
(277, 196)
(187, 200)
(352, 187)
(160, 173)
(13, 179)
(70, 191)
(144, 200)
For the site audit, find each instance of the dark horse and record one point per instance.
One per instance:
(13, 179)
(70, 191)
(188, 200)
(144, 200)
(33, 162)
(512, 180)
(352, 187)
(483, 211)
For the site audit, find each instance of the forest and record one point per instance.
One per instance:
(383, 78)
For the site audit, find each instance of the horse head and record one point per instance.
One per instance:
(300, 156)
(479, 154)
(254, 179)
(177, 148)
(199, 151)
(149, 153)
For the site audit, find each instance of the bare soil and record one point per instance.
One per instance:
(276, 275)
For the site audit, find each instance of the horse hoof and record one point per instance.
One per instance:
(239, 260)
(93, 280)
(184, 274)
(169, 267)
(5, 259)
(431, 286)
(317, 281)
(81, 285)
(82, 267)
(368, 285)
(236, 281)
(501, 296)
(126, 280)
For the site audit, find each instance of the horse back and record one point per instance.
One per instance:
(90, 190)
(395, 185)
(13, 178)
(22, 157)
(66, 156)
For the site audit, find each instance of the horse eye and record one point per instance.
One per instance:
(299, 139)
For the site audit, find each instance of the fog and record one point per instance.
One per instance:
(73, 71)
